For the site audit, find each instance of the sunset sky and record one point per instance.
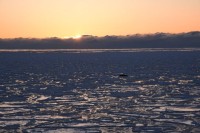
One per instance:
(67, 18)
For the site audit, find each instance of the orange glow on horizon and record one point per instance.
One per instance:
(51, 18)
(74, 37)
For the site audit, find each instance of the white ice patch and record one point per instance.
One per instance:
(187, 122)
(179, 109)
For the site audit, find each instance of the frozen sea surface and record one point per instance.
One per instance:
(81, 90)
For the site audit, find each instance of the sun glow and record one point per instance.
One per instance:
(77, 37)
(72, 18)
(73, 37)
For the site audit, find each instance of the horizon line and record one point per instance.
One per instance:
(90, 35)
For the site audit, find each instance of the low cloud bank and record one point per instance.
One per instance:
(157, 40)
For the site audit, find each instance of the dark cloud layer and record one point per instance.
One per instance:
(157, 40)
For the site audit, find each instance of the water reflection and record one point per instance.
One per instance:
(70, 92)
